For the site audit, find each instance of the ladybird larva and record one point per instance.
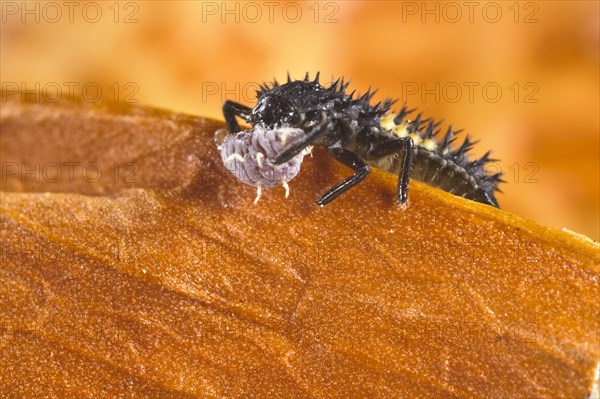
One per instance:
(360, 136)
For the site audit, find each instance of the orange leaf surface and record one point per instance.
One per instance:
(134, 264)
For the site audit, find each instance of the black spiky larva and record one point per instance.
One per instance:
(361, 135)
(246, 153)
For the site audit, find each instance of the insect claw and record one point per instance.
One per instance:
(237, 157)
(258, 192)
(286, 186)
(260, 159)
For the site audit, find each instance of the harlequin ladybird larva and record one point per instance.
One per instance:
(361, 135)
(246, 153)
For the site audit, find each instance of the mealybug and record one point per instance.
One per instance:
(246, 154)
(356, 133)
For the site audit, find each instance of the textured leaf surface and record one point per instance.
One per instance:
(163, 280)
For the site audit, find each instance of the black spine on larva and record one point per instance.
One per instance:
(256, 147)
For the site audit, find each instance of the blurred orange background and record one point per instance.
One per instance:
(523, 77)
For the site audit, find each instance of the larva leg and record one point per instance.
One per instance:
(258, 193)
(353, 161)
(319, 130)
(232, 109)
(405, 147)
(286, 187)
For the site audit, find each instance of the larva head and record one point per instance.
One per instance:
(273, 110)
